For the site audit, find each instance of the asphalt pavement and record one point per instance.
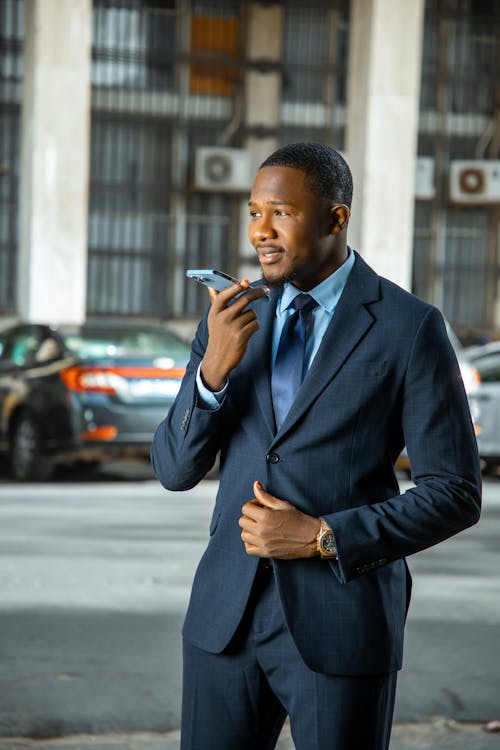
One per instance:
(440, 734)
(94, 581)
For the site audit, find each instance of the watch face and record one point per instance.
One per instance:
(328, 544)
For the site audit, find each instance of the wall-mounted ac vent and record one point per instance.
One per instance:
(475, 181)
(222, 170)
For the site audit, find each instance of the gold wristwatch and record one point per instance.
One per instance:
(325, 541)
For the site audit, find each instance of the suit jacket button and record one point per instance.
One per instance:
(272, 458)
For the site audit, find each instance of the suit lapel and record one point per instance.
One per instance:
(350, 323)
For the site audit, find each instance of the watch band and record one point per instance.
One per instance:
(325, 541)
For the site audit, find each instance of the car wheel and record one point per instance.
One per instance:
(26, 457)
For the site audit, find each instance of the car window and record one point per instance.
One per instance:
(488, 368)
(20, 347)
(90, 343)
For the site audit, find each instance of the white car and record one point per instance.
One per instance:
(483, 391)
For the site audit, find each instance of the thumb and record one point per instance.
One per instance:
(265, 499)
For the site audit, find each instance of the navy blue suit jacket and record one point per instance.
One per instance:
(384, 376)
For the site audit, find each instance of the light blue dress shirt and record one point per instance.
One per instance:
(326, 294)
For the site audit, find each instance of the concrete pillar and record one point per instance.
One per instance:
(382, 126)
(55, 160)
(264, 28)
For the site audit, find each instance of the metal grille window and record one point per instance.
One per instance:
(206, 239)
(465, 267)
(11, 71)
(206, 245)
(129, 224)
(134, 44)
(455, 247)
(213, 49)
(422, 243)
(152, 105)
(460, 278)
(314, 71)
(460, 48)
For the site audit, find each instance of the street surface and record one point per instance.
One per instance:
(95, 577)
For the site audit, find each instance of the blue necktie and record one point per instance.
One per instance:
(289, 365)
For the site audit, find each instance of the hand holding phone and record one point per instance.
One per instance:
(231, 323)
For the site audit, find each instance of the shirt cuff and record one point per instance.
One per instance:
(209, 399)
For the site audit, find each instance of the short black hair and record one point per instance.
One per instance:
(327, 172)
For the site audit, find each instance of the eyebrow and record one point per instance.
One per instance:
(272, 203)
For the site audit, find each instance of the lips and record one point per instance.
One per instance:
(269, 255)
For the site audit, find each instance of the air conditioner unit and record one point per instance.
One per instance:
(425, 187)
(222, 169)
(475, 181)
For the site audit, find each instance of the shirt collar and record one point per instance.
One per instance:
(327, 292)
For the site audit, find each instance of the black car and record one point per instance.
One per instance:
(94, 392)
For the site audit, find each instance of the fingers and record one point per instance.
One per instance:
(263, 497)
(233, 322)
(221, 300)
(267, 500)
(250, 295)
(248, 322)
(251, 510)
(212, 293)
(226, 295)
(255, 512)
(251, 549)
(252, 542)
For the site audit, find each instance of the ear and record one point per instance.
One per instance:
(340, 214)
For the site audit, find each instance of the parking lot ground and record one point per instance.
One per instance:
(440, 734)
(95, 579)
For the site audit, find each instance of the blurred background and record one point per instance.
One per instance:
(130, 132)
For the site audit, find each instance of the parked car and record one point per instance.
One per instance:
(94, 392)
(484, 399)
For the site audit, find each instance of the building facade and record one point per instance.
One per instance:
(130, 131)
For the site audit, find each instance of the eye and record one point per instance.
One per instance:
(254, 214)
(281, 212)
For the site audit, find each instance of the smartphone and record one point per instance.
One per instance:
(218, 280)
(210, 277)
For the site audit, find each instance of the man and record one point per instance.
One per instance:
(299, 602)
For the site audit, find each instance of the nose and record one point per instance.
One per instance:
(261, 228)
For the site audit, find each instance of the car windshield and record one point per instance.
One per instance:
(90, 343)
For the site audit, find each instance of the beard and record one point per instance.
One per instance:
(280, 282)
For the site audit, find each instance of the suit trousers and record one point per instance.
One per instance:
(239, 699)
